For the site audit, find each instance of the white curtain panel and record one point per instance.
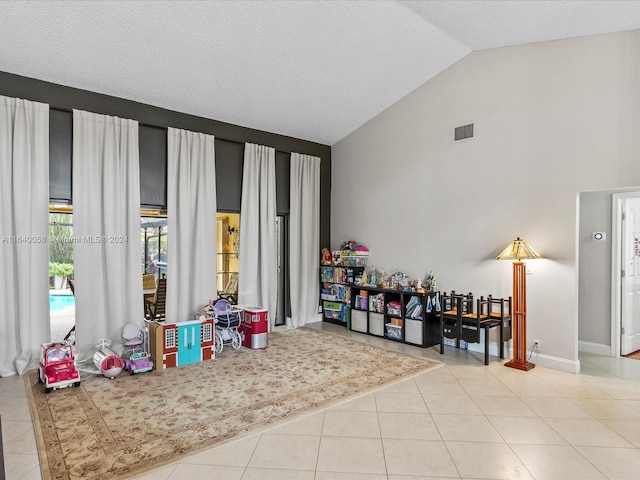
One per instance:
(24, 224)
(257, 283)
(191, 212)
(304, 238)
(107, 253)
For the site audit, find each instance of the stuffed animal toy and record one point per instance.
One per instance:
(326, 256)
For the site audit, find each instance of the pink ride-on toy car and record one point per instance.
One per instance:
(139, 362)
(57, 367)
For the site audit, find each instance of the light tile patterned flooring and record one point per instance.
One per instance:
(462, 420)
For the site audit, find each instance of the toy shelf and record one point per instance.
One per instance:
(336, 284)
(398, 315)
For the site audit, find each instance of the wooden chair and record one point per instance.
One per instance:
(468, 299)
(472, 323)
(502, 310)
(452, 306)
(230, 292)
(148, 283)
(155, 308)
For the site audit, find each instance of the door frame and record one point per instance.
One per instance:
(283, 275)
(617, 202)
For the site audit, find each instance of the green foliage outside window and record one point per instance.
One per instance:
(60, 238)
(61, 269)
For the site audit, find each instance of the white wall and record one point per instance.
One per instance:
(594, 326)
(552, 119)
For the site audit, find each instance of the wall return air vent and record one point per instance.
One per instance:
(465, 131)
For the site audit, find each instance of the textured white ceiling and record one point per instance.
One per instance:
(315, 70)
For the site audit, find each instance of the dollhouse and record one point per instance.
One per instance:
(176, 344)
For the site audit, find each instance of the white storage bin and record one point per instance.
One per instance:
(358, 321)
(413, 331)
(376, 324)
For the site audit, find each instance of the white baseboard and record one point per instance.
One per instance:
(557, 363)
(289, 322)
(596, 348)
(317, 318)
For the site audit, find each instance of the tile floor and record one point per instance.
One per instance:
(462, 420)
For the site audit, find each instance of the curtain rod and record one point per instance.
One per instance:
(163, 127)
(70, 110)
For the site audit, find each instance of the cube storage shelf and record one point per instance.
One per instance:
(336, 282)
(396, 315)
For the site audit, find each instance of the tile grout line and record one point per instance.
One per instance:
(2, 473)
(315, 473)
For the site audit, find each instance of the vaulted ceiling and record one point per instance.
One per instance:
(315, 70)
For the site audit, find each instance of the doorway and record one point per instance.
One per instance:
(228, 260)
(62, 312)
(227, 255)
(282, 306)
(626, 273)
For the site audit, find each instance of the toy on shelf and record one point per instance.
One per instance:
(376, 277)
(351, 254)
(57, 367)
(376, 303)
(351, 245)
(430, 282)
(399, 281)
(326, 258)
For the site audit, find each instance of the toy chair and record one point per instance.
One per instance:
(132, 339)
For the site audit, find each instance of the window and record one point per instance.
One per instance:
(153, 239)
(227, 253)
(170, 338)
(62, 316)
(206, 332)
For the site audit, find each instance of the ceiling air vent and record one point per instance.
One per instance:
(465, 131)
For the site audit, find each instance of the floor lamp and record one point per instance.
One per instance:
(519, 250)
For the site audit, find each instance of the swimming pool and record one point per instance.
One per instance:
(59, 302)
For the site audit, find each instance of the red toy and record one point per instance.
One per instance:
(57, 367)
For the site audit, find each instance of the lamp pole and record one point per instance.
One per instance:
(519, 319)
(517, 250)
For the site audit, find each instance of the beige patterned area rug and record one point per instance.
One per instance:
(116, 429)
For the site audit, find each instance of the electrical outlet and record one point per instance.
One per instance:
(536, 345)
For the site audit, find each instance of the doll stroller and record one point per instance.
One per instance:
(227, 319)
